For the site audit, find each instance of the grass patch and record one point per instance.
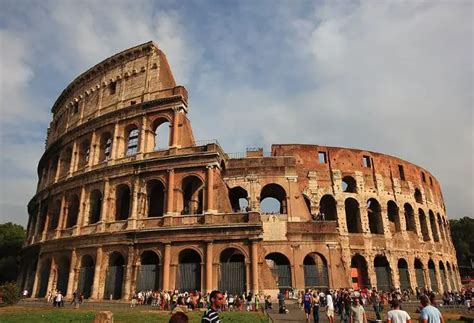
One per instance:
(17, 314)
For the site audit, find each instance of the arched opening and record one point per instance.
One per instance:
(393, 217)
(420, 278)
(149, 272)
(132, 141)
(114, 276)
(354, 224)
(273, 199)
(327, 206)
(42, 218)
(432, 273)
(444, 278)
(156, 198)
(63, 274)
(315, 271)
(72, 210)
(403, 273)
(450, 275)
(105, 147)
(375, 216)
(53, 169)
(189, 271)
(409, 218)
(65, 164)
(418, 196)
(86, 276)
(441, 229)
(383, 273)
(359, 274)
(307, 202)
(434, 227)
(349, 184)
(280, 268)
(232, 271)
(44, 278)
(423, 225)
(84, 153)
(192, 195)
(238, 199)
(122, 204)
(95, 206)
(161, 130)
(54, 215)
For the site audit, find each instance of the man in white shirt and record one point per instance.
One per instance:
(397, 315)
(329, 307)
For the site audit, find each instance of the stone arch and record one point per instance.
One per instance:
(434, 227)
(65, 163)
(280, 267)
(122, 202)
(419, 274)
(432, 274)
(192, 188)
(327, 206)
(409, 218)
(359, 273)
(86, 276)
(72, 210)
(44, 277)
(105, 147)
(161, 128)
(307, 203)
(423, 225)
(114, 276)
(353, 220)
(232, 278)
(441, 229)
(132, 132)
(189, 270)
(276, 193)
(156, 194)
(54, 214)
(418, 197)
(95, 206)
(149, 271)
(444, 277)
(383, 272)
(393, 217)
(349, 184)
(450, 276)
(238, 197)
(375, 216)
(84, 153)
(64, 267)
(315, 271)
(404, 275)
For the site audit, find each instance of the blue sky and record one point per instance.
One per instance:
(389, 76)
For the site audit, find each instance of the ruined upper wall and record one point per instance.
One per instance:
(136, 75)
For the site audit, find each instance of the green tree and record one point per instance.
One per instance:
(463, 239)
(11, 239)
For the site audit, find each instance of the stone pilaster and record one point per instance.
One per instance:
(209, 257)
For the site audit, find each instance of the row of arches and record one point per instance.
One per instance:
(384, 274)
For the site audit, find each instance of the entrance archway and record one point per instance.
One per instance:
(189, 271)
(359, 274)
(63, 275)
(149, 273)
(281, 269)
(383, 273)
(86, 276)
(44, 278)
(114, 276)
(444, 278)
(315, 271)
(432, 272)
(403, 273)
(232, 271)
(420, 278)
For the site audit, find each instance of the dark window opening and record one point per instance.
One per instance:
(349, 184)
(409, 218)
(327, 208)
(431, 181)
(366, 161)
(95, 206)
(273, 199)
(354, 224)
(73, 211)
(238, 199)
(423, 177)
(418, 196)
(156, 198)
(401, 172)
(133, 102)
(112, 88)
(322, 157)
(192, 188)
(75, 108)
(132, 142)
(375, 217)
(122, 205)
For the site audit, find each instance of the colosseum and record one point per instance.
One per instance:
(128, 200)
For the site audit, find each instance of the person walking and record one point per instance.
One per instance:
(329, 307)
(211, 315)
(307, 302)
(358, 312)
(397, 315)
(316, 305)
(429, 313)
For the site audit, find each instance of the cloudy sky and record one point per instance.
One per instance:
(393, 77)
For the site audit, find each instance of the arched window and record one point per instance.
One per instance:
(161, 129)
(122, 205)
(84, 152)
(192, 187)
(404, 275)
(375, 216)
(189, 271)
(149, 272)
(315, 271)
(423, 225)
(72, 210)
(432, 273)
(273, 199)
(393, 216)
(105, 147)
(409, 218)
(354, 224)
(95, 206)
(281, 269)
(327, 206)
(434, 227)
(441, 229)
(349, 184)
(114, 276)
(156, 198)
(359, 273)
(132, 142)
(54, 215)
(238, 199)
(383, 273)
(42, 217)
(418, 196)
(232, 271)
(86, 276)
(65, 164)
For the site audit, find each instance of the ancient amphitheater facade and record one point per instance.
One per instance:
(127, 199)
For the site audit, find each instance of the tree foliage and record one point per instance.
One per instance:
(463, 239)
(11, 239)
(10, 293)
